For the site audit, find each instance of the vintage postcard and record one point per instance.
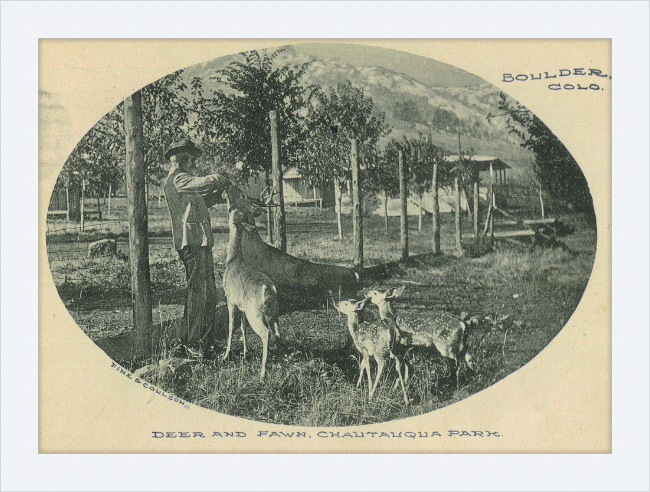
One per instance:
(325, 246)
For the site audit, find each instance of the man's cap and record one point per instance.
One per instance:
(184, 145)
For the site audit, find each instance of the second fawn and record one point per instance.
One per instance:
(377, 339)
(440, 329)
(249, 292)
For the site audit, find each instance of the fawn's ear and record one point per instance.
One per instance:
(359, 305)
(396, 292)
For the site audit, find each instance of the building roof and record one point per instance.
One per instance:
(291, 173)
(482, 162)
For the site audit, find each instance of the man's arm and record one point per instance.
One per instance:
(186, 183)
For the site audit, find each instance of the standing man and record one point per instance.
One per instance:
(188, 198)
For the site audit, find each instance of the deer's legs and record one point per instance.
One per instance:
(261, 329)
(406, 375)
(232, 313)
(380, 367)
(398, 368)
(242, 327)
(362, 366)
(265, 351)
(367, 364)
(455, 364)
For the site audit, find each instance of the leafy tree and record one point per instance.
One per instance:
(96, 163)
(98, 159)
(555, 168)
(383, 177)
(234, 124)
(334, 119)
(165, 112)
(420, 169)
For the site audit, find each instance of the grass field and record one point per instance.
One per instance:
(522, 298)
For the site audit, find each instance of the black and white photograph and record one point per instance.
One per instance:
(324, 246)
(323, 235)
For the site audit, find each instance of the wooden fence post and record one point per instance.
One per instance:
(269, 214)
(138, 226)
(279, 223)
(82, 204)
(357, 219)
(386, 212)
(476, 180)
(67, 203)
(338, 194)
(457, 215)
(435, 210)
(403, 197)
(492, 200)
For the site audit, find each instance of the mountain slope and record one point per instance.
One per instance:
(411, 106)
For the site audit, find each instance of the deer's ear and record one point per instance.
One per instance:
(398, 291)
(359, 305)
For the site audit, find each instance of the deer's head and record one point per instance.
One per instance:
(379, 297)
(383, 298)
(247, 207)
(349, 307)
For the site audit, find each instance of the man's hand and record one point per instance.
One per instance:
(220, 181)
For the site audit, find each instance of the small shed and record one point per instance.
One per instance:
(490, 164)
(296, 189)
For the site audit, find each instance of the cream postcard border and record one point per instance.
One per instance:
(24, 23)
(559, 402)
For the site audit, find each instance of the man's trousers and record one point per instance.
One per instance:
(201, 297)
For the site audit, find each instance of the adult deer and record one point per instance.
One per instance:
(249, 292)
(440, 329)
(377, 339)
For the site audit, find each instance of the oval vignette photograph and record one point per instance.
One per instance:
(319, 234)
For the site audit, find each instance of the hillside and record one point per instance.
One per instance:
(412, 106)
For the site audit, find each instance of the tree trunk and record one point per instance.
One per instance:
(138, 239)
(436, 210)
(279, 223)
(110, 192)
(476, 178)
(420, 214)
(339, 202)
(492, 200)
(541, 201)
(67, 203)
(99, 208)
(83, 199)
(403, 196)
(457, 215)
(357, 219)
(386, 211)
(269, 215)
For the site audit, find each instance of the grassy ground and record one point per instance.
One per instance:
(522, 298)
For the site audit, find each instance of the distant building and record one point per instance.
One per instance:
(446, 198)
(297, 190)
